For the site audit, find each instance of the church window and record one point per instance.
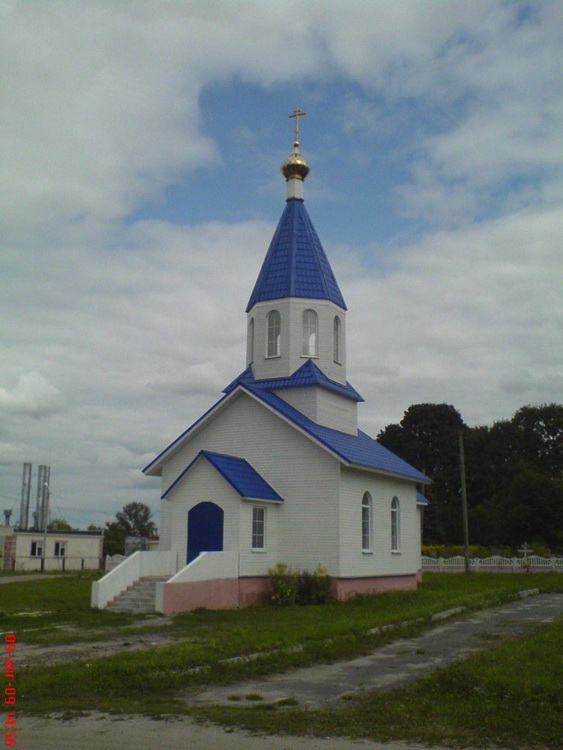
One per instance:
(366, 523)
(310, 333)
(251, 341)
(258, 528)
(395, 526)
(274, 334)
(337, 339)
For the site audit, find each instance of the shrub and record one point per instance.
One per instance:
(299, 587)
(313, 588)
(284, 583)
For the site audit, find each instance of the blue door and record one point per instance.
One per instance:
(205, 529)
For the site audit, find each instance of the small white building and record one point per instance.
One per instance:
(64, 550)
(277, 470)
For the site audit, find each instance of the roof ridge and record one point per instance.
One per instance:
(309, 368)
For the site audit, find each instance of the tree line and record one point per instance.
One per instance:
(514, 474)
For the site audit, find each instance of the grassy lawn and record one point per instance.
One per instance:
(511, 696)
(29, 607)
(516, 680)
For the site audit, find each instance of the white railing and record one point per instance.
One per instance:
(531, 563)
(138, 565)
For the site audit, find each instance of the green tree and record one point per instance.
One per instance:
(114, 539)
(135, 518)
(539, 435)
(428, 438)
(59, 524)
(531, 510)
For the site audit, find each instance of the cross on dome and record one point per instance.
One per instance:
(296, 115)
(295, 168)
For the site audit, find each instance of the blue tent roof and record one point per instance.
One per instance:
(358, 450)
(238, 473)
(307, 374)
(295, 264)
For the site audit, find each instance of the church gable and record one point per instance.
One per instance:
(242, 477)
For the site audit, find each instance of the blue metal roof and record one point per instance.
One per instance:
(238, 473)
(421, 500)
(306, 375)
(296, 264)
(358, 450)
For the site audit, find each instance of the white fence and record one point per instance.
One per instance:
(496, 563)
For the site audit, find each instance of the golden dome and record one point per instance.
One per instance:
(295, 165)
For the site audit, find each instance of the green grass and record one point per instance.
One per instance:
(45, 603)
(150, 681)
(64, 602)
(510, 696)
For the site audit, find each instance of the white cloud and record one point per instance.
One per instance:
(470, 317)
(32, 396)
(117, 335)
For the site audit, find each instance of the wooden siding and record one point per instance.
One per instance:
(381, 561)
(301, 472)
(323, 407)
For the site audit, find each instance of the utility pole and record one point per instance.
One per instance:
(464, 501)
(45, 525)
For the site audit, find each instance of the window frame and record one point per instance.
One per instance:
(251, 341)
(367, 523)
(60, 549)
(310, 333)
(337, 340)
(273, 337)
(36, 548)
(395, 525)
(258, 529)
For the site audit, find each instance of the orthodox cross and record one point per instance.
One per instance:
(297, 114)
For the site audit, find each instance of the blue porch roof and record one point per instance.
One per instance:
(296, 264)
(238, 473)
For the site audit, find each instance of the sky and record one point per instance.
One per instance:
(141, 145)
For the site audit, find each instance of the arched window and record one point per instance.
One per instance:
(251, 341)
(395, 525)
(274, 334)
(366, 523)
(337, 339)
(310, 333)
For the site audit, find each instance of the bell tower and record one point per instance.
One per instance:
(296, 311)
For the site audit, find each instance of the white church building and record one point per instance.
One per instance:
(277, 469)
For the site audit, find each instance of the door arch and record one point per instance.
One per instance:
(205, 529)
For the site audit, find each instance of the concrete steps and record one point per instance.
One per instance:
(139, 598)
